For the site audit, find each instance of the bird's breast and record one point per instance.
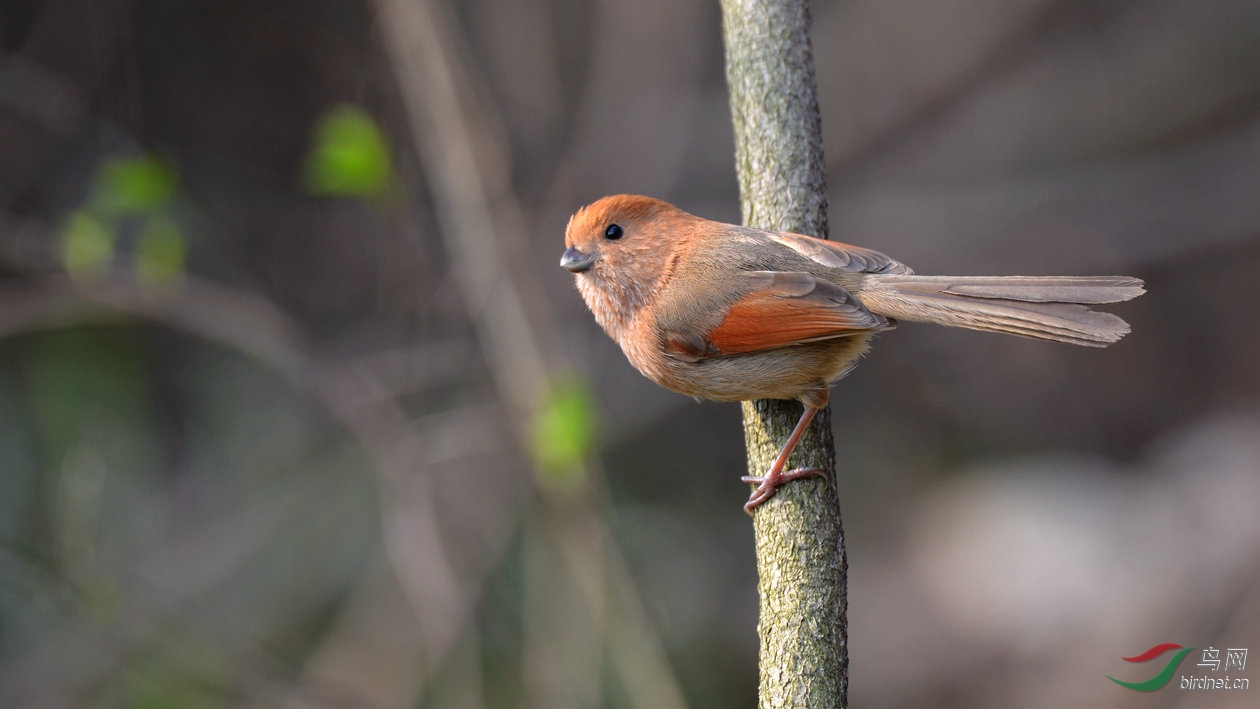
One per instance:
(780, 373)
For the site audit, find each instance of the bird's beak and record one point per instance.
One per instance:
(576, 261)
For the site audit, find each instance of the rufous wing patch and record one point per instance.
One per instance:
(793, 308)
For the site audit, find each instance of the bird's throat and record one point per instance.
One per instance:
(615, 305)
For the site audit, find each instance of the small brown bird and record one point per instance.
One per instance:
(731, 313)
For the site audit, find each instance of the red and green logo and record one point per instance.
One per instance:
(1164, 675)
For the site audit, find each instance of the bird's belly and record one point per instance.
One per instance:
(782, 373)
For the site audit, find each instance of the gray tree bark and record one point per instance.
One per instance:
(800, 543)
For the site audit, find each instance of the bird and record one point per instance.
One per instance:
(724, 312)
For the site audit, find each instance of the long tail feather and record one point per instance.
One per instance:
(1045, 307)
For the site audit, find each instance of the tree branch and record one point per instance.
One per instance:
(800, 542)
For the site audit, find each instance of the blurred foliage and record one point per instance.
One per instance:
(563, 435)
(174, 541)
(87, 244)
(128, 191)
(93, 417)
(178, 674)
(134, 186)
(160, 252)
(350, 156)
(90, 388)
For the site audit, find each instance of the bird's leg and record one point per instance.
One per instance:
(768, 483)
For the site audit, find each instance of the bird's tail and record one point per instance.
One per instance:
(1045, 307)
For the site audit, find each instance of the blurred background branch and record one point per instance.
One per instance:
(467, 168)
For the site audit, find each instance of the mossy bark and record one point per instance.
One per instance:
(800, 543)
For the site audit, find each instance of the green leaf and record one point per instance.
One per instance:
(563, 433)
(87, 245)
(160, 252)
(350, 156)
(135, 186)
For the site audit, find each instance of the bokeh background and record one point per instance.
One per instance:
(297, 410)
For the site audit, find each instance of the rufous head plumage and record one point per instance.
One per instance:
(618, 248)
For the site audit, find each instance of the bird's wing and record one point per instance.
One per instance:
(834, 254)
(776, 309)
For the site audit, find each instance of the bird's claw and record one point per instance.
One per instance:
(767, 484)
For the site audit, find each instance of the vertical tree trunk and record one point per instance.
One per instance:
(800, 543)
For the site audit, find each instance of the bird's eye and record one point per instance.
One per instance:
(613, 232)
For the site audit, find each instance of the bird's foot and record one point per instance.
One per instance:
(767, 484)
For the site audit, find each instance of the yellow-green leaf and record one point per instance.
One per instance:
(350, 156)
(135, 186)
(563, 435)
(87, 245)
(160, 252)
